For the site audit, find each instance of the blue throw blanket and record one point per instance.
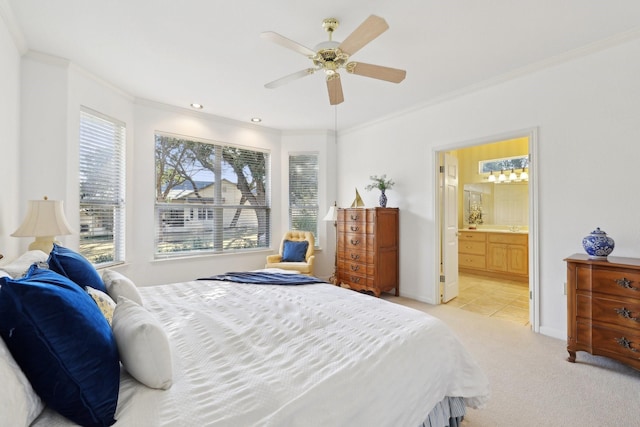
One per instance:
(260, 278)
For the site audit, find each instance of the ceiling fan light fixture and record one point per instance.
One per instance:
(327, 45)
(331, 56)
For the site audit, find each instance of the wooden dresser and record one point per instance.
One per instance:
(603, 307)
(368, 249)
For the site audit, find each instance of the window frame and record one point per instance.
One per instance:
(213, 208)
(112, 203)
(314, 206)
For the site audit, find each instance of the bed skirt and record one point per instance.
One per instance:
(449, 412)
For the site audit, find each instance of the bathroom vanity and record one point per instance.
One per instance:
(494, 253)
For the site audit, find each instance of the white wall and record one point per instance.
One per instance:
(53, 91)
(586, 111)
(151, 117)
(9, 137)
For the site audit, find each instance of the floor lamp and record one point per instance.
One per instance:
(332, 215)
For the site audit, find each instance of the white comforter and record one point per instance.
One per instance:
(311, 355)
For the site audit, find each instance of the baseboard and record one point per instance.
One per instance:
(554, 333)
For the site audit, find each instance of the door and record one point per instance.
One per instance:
(450, 228)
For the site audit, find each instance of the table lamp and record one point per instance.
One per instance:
(45, 219)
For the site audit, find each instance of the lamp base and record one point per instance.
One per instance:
(42, 243)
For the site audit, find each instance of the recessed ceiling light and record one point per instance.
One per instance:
(197, 106)
(256, 119)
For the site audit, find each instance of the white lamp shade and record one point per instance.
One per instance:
(332, 215)
(44, 218)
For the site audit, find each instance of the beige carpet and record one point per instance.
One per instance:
(532, 384)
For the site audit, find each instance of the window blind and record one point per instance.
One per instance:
(210, 197)
(303, 193)
(102, 187)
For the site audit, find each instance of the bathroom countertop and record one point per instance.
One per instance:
(496, 230)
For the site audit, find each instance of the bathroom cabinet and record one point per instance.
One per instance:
(508, 253)
(493, 253)
(472, 250)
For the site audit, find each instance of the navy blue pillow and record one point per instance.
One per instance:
(294, 251)
(63, 344)
(76, 267)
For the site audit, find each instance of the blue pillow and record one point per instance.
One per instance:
(294, 251)
(76, 267)
(63, 343)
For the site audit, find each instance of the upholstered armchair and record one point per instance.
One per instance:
(296, 253)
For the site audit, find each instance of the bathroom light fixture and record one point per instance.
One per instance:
(502, 177)
(197, 106)
(524, 176)
(513, 176)
(492, 177)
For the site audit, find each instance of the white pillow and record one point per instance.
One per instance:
(19, 404)
(118, 285)
(143, 345)
(18, 267)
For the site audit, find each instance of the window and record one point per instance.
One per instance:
(303, 193)
(102, 187)
(190, 213)
(504, 164)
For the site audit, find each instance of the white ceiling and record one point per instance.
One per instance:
(209, 51)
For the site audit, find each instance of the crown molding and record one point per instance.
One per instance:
(204, 115)
(581, 52)
(6, 13)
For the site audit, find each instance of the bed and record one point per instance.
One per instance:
(297, 355)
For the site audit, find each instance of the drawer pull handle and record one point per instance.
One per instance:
(355, 242)
(354, 228)
(355, 267)
(626, 313)
(623, 342)
(355, 257)
(355, 217)
(355, 279)
(626, 283)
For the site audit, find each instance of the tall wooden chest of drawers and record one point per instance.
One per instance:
(603, 307)
(368, 257)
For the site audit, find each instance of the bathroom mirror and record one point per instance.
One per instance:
(496, 204)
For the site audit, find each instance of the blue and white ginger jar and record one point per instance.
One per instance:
(597, 244)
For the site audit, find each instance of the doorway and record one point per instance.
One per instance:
(495, 273)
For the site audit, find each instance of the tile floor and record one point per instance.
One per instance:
(502, 299)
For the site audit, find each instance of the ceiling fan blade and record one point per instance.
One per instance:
(393, 75)
(334, 86)
(291, 77)
(288, 43)
(371, 28)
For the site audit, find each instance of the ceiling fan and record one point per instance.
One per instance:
(331, 56)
